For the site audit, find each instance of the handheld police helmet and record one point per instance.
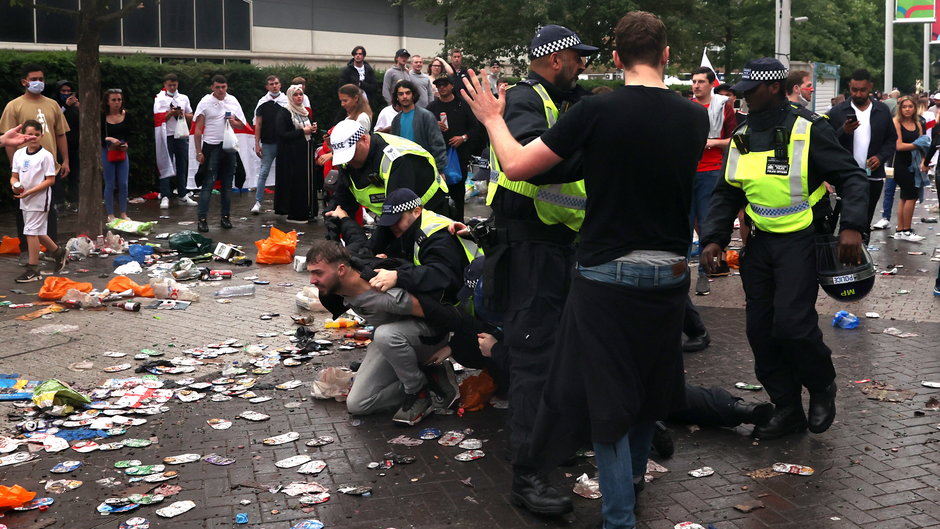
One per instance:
(840, 281)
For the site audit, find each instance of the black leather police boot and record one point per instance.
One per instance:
(662, 441)
(752, 413)
(785, 420)
(226, 223)
(822, 409)
(533, 492)
(697, 343)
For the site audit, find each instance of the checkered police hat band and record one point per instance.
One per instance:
(401, 208)
(558, 45)
(763, 75)
(350, 141)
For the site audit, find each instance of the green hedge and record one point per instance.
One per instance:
(140, 78)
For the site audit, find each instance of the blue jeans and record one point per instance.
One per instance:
(888, 202)
(115, 174)
(701, 198)
(221, 165)
(268, 154)
(633, 275)
(618, 465)
(179, 153)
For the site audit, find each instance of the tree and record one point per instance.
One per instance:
(92, 15)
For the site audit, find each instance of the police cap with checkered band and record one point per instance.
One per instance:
(759, 71)
(396, 203)
(551, 38)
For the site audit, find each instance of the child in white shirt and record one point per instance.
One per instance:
(33, 176)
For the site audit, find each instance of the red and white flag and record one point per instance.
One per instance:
(708, 64)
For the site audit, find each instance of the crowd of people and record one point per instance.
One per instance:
(570, 247)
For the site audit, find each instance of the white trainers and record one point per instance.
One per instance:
(165, 203)
(256, 208)
(188, 200)
(913, 237)
(881, 224)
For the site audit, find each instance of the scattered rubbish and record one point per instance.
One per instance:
(399, 459)
(290, 384)
(903, 291)
(38, 503)
(253, 416)
(748, 387)
(653, 466)
(292, 461)
(354, 490)
(15, 496)
(451, 438)
(64, 467)
(58, 486)
(144, 470)
(137, 443)
(862, 381)
(885, 392)
(281, 439)
(320, 441)
(469, 455)
(587, 487)
(930, 384)
(298, 488)
(181, 459)
(749, 506)
(916, 253)
(405, 440)
(312, 467)
(308, 524)
(428, 434)
(893, 331)
(467, 482)
(219, 460)
(333, 383)
(702, 472)
(845, 320)
(687, 525)
(81, 366)
(241, 518)
(314, 499)
(176, 509)
(872, 315)
(135, 523)
(168, 490)
(85, 446)
(470, 444)
(932, 404)
(789, 468)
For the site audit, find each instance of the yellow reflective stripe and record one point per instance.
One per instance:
(731, 168)
(551, 111)
(799, 137)
(432, 223)
(817, 195)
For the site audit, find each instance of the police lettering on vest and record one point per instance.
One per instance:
(554, 203)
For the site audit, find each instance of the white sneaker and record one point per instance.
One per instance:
(913, 237)
(165, 203)
(881, 224)
(188, 200)
(256, 208)
(900, 235)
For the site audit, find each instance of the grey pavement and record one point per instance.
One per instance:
(878, 466)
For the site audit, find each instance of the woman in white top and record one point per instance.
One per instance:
(356, 105)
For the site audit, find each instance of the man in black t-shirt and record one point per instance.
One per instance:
(461, 131)
(612, 376)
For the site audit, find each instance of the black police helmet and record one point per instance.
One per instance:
(842, 282)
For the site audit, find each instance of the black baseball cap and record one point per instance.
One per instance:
(443, 80)
(551, 38)
(396, 203)
(759, 71)
(402, 53)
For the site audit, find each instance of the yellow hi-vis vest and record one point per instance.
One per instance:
(778, 194)
(372, 196)
(554, 203)
(432, 223)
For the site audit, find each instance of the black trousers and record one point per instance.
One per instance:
(711, 407)
(874, 194)
(52, 226)
(539, 278)
(778, 272)
(458, 194)
(692, 324)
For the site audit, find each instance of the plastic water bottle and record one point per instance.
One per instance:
(845, 319)
(235, 292)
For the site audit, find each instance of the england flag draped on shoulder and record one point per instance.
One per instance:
(164, 126)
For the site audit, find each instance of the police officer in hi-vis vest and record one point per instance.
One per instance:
(372, 166)
(775, 168)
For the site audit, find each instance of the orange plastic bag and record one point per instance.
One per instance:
(278, 248)
(10, 245)
(14, 496)
(54, 288)
(733, 259)
(122, 283)
(476, 391)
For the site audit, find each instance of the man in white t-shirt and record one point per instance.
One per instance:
(865, 128)
(169, 107)
(384, 122)
(216, 113)
(34, 174)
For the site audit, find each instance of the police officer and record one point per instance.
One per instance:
(776, 166)
(372, 166)
(529, 269)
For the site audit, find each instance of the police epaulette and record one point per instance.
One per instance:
(808, 114)
(530, 82)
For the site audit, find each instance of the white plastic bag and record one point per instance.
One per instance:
(86, 300)
(132, 267)
(229, 139)
(181, 131)
(309, 299)
(80, 246)
(168, 288)
(333, 382)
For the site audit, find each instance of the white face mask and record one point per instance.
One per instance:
(171, 94)
(36, 87)
(275, 94)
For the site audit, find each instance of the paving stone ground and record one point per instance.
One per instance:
(877, 467)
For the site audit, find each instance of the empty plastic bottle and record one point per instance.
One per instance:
(235, 292)
(845, 319)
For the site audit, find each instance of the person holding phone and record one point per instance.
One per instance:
(866, 129)
(115, 129)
